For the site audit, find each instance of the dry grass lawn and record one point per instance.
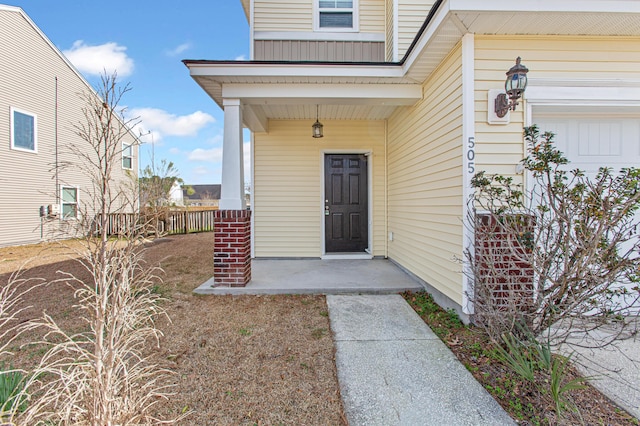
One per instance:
(255, 360)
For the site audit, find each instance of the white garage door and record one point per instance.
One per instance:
(593, 139)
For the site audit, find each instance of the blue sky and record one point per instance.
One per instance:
(146, 41)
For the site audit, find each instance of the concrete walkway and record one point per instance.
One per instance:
(393, 370)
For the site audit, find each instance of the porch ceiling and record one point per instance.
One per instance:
(365, 81)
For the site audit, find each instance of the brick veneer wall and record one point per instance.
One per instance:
(232, 248)
(506, 278)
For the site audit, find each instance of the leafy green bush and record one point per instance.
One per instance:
(11, 386)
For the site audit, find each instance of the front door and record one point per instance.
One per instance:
(346, 217)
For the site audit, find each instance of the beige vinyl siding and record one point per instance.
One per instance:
(411, 16)
(28, 82)
(288, 178)
(372, 16)
(389, 30)
(297, 15)
(283, 15)
(425, 181)
(500, 147)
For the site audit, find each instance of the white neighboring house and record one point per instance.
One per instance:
(175, 195)
(39, 106)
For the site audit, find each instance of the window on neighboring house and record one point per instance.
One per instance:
(69, 202)
(336, 14)
(23, 131)
(127, 156)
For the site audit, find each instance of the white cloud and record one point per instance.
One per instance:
(161, 123)
(179, 49)
(213, 155)
(201, 171)
(95, 60)
(241, 58)
(174, 151)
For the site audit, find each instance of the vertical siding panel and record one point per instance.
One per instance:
(287, 199)
(309, 50)
(425, 180)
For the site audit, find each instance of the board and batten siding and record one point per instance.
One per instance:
(500, 147)
(28, 72)
(323, 50)
(411, 16)
(425, 181)
(287, 204)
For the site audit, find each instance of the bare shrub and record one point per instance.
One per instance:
(561, 257)
(156, 183)
(100, 375)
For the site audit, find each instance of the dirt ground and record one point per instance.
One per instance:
(255, 360)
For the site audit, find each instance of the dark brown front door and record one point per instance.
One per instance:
(346, 218)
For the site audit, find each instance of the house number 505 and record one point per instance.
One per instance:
(471, 155)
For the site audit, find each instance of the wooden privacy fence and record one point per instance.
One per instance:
(170, 222)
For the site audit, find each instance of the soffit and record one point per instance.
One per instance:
(246, 5)
(455, 18)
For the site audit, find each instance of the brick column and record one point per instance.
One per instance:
(500, 250)
(232, 248)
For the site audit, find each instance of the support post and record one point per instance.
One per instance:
(232, 191)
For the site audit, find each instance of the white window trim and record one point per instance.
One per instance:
(62, 202)
(356, 19)
(125, 146)
(35, 130)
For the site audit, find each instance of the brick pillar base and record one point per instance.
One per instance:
(232, 248)
(506, 279)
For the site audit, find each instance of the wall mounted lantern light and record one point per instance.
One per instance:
(515, 86)
(317, 127)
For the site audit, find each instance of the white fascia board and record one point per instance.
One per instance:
(620, 95)
(394, 94)
(583, 6)
(244, 69)
(317, 36)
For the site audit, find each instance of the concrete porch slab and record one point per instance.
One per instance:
(316, 276)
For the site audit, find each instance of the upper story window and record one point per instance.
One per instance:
(127, 156)
(24, 131)
(337, 15)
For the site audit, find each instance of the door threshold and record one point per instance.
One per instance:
(346, 256)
